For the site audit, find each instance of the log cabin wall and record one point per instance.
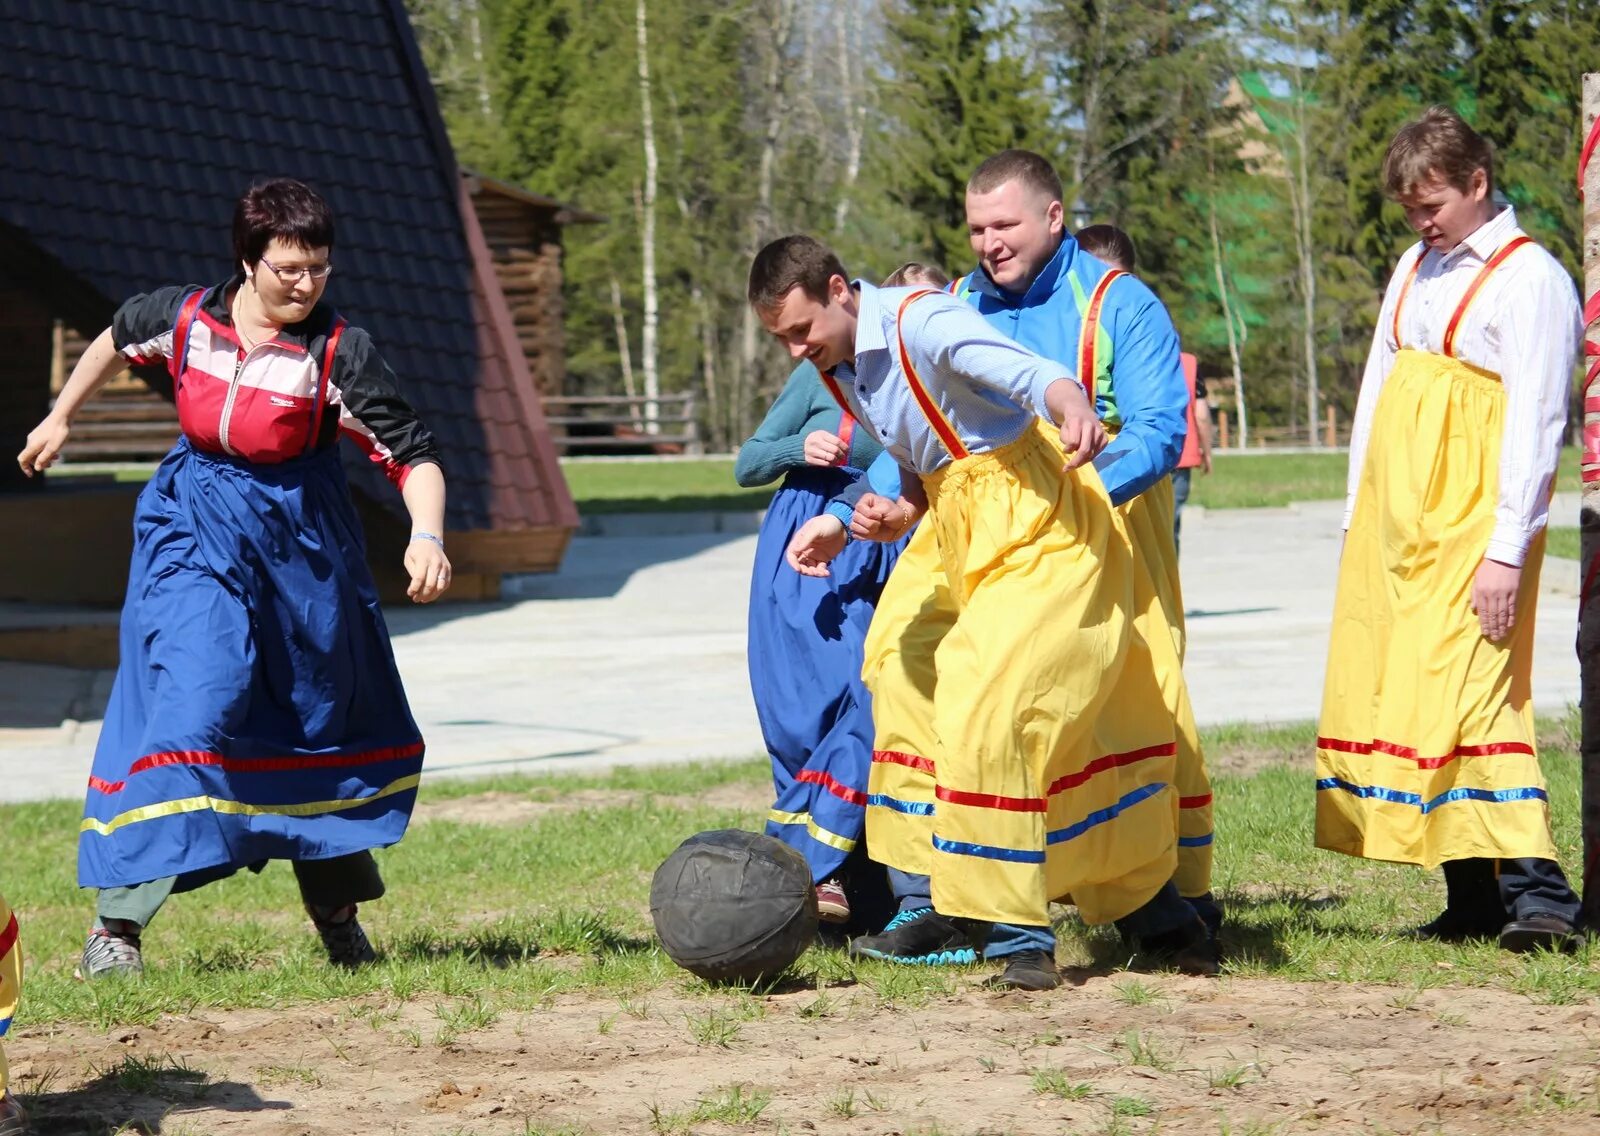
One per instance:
(525, 241)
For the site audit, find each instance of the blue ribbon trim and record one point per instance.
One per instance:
(988, 851)
(1194, 841)
(910, 808)
(1100, 816)
(1397, 797)
(1060, 836)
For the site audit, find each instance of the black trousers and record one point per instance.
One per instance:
(1491, 893)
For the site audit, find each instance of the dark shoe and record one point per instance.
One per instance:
(1449, 927)
(921, 937)
(13, 1121)
(1538, 933)
(109, 951)
(833, 906)
(1187, 949)
(1209, 910)
(1027, 970)
(343, 937)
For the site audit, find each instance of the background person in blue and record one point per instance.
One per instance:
(806, 632)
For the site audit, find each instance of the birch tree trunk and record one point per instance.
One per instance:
(780, 26)
(1234, 344)
(648, 353)
(619, 324)
(1589, 520)
(475, 34)
(847, 29)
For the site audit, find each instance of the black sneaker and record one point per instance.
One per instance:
(1450, 927)
(1187, 949)
(1027, 970)
(920, 937)
(346, 942)
(111, 950)
(13, 1121)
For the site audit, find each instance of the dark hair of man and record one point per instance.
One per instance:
(1032, 170)
(795, 261)
(1441, 145)
(1110, 244)
(283, 208)
(915, 272)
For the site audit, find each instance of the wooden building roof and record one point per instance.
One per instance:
(129, 128)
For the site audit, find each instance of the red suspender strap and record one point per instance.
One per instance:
(930, 409)
(954, 287)
(1484, 273)
(180, 336)
(324, 372)
(1089, 332)
(1405, 289)
(847, 420)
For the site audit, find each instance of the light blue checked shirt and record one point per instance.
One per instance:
(990, 388)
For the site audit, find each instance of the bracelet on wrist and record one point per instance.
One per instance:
(428, 536)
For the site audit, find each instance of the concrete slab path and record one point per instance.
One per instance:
(634, 652)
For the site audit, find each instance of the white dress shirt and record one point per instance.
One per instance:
(1525, 325)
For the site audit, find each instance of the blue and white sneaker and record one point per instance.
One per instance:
(919, 937)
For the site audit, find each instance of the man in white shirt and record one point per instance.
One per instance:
(1426, 746)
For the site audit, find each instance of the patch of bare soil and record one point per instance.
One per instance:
(511, 809)
(1202, 1057)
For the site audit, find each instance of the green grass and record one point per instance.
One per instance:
(1237, 481)
(660, 486)
(1563, 542)
(483, 922)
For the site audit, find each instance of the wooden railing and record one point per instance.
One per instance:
(617, 424)
(1224, 436)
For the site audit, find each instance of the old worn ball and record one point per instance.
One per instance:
(734, 906)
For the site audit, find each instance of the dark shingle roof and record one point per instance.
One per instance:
(129, 127)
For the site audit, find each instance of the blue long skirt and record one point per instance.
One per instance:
(805, 646)
(257, 713)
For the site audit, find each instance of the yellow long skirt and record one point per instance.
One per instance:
(1425, 749)
(1158, 607)
(10, 980)
(1000, 644)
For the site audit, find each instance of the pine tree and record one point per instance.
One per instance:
(955, 90)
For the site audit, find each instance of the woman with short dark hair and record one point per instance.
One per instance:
(257, 713)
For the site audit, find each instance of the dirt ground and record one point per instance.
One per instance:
(1206, 1056)
(1216, 1056)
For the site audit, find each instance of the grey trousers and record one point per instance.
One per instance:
(323, 883)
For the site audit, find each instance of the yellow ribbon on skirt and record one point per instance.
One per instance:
(1425, 748)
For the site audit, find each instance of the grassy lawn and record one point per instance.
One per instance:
(1563, 542)
(500, 917)
(1237, 481)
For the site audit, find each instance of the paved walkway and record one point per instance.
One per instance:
(634, 652)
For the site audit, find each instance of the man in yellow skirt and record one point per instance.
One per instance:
(1047, 763)
(1426, 745)
(12, 1120)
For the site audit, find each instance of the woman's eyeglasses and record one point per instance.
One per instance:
(294, 275)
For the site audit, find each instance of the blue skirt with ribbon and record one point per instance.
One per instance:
(257, 713)
(805, 647)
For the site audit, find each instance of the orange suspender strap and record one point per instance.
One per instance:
(847, 418)
(1089, 332)
(930, 408)
(323, 376)
(1405, 289)
(1478, 281)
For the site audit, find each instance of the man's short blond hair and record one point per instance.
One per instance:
(1032, 170)
(1441, 145)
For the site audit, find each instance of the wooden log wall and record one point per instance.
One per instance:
(526, 243)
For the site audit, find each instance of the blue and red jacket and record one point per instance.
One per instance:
(272, 402)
